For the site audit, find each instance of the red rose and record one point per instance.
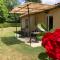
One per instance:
(51, 42)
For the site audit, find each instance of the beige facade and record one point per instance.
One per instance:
(41, 17)
(34, 20)
(56, 17)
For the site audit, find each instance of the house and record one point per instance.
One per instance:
(33, 14)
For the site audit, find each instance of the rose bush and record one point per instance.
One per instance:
(51, 42)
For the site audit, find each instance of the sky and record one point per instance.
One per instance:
(45, 1)
(50, 1)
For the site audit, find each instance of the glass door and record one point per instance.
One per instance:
(50, 22)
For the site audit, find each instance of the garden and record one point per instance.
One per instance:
(13, 49)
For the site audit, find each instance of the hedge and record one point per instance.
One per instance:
(3, 25)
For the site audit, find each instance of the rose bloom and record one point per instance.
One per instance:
(51, 43)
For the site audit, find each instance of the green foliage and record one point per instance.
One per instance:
(3, 11)
(13, 18)
(10, 4)
(4, 25)
(39, 36)
(5, 7)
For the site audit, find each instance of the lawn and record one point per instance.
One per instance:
(13, 49)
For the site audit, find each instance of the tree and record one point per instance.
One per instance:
(10, 4)
(39, 1)
(5, 8)
(3, 11)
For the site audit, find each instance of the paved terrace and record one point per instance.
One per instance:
(27, 39)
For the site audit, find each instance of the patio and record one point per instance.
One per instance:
(26, 40)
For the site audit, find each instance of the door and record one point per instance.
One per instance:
(50, 22)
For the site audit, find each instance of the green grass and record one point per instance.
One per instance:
(13, 49)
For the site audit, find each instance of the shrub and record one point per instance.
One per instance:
(39, 36)
(4, 25)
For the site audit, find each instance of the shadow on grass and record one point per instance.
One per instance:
(43, 56)
(20, 33)
(10, 40)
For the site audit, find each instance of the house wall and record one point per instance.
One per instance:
(34, 20)
(56, 17)
(41, 18)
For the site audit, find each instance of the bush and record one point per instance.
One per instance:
(4, 25)
(39, 36)
(2, 19)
